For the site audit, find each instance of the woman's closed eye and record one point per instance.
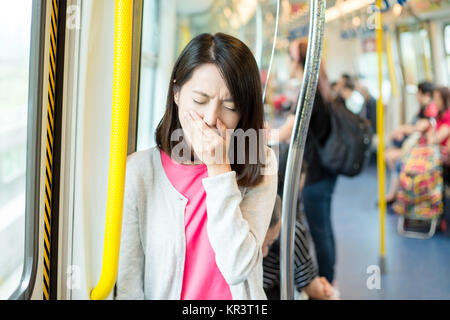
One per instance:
(231, 108)
(199, 101)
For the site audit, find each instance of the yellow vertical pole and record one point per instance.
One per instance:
(118, 153)
(380, 133)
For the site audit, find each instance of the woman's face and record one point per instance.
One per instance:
(438, 100)
(207, 93)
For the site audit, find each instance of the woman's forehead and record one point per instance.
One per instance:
(208, 79)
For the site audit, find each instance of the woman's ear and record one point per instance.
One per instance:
(176, 95)
(176, 98)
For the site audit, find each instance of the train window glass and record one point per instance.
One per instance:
(416, 56)
(149, 59)
(169, 25)
(368, 66)
(251, 21)
(15, 33)
(447, 48)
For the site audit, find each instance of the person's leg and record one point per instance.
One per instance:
(393, 156)
(317, 206)
(389, 157)
(394, 183)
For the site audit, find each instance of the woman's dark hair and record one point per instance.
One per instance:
(276, 213)
(241, 74)
(444, 92)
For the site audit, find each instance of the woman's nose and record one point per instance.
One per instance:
(210, 115)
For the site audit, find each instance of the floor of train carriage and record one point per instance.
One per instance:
(415, 268)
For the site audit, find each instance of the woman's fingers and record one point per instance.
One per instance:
(208, 133)
(187, 121)
(188, 127)
(195, 126)
(222, 128)
(205, 141)
(227, 133)
(200, 124)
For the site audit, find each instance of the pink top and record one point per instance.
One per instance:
(202, 279)
(441, 121)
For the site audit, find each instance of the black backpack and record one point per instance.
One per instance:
(347, 148)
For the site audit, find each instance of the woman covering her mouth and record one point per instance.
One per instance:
(198, 205)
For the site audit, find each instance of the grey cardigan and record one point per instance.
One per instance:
(152, 251)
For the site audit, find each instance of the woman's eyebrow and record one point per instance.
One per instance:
(206, 95)
(201, 93)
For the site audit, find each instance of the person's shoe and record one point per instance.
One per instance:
(390, 209)
(388, 203)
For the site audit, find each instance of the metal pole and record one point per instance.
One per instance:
(297, 146)
(380, 132)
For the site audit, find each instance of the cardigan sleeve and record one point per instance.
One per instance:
(130, 281)
(237, 224)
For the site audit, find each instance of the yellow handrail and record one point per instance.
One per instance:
(380, 133)
(118, 152)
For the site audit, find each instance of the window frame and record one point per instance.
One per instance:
(413, 28)
(33, 159)
(446, 54)
(147, 59)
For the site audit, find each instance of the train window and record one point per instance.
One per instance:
(15, 21)
(251, 21)
(447, 48)
(149, 60)
(20, 105)
(416, 55)
(368, 64)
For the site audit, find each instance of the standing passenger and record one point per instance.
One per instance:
(195, 231)
(320, 183)
(354, 101)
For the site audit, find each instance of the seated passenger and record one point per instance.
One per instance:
(426, 110)
(440, 135)
(305, 273)
(393, 154)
